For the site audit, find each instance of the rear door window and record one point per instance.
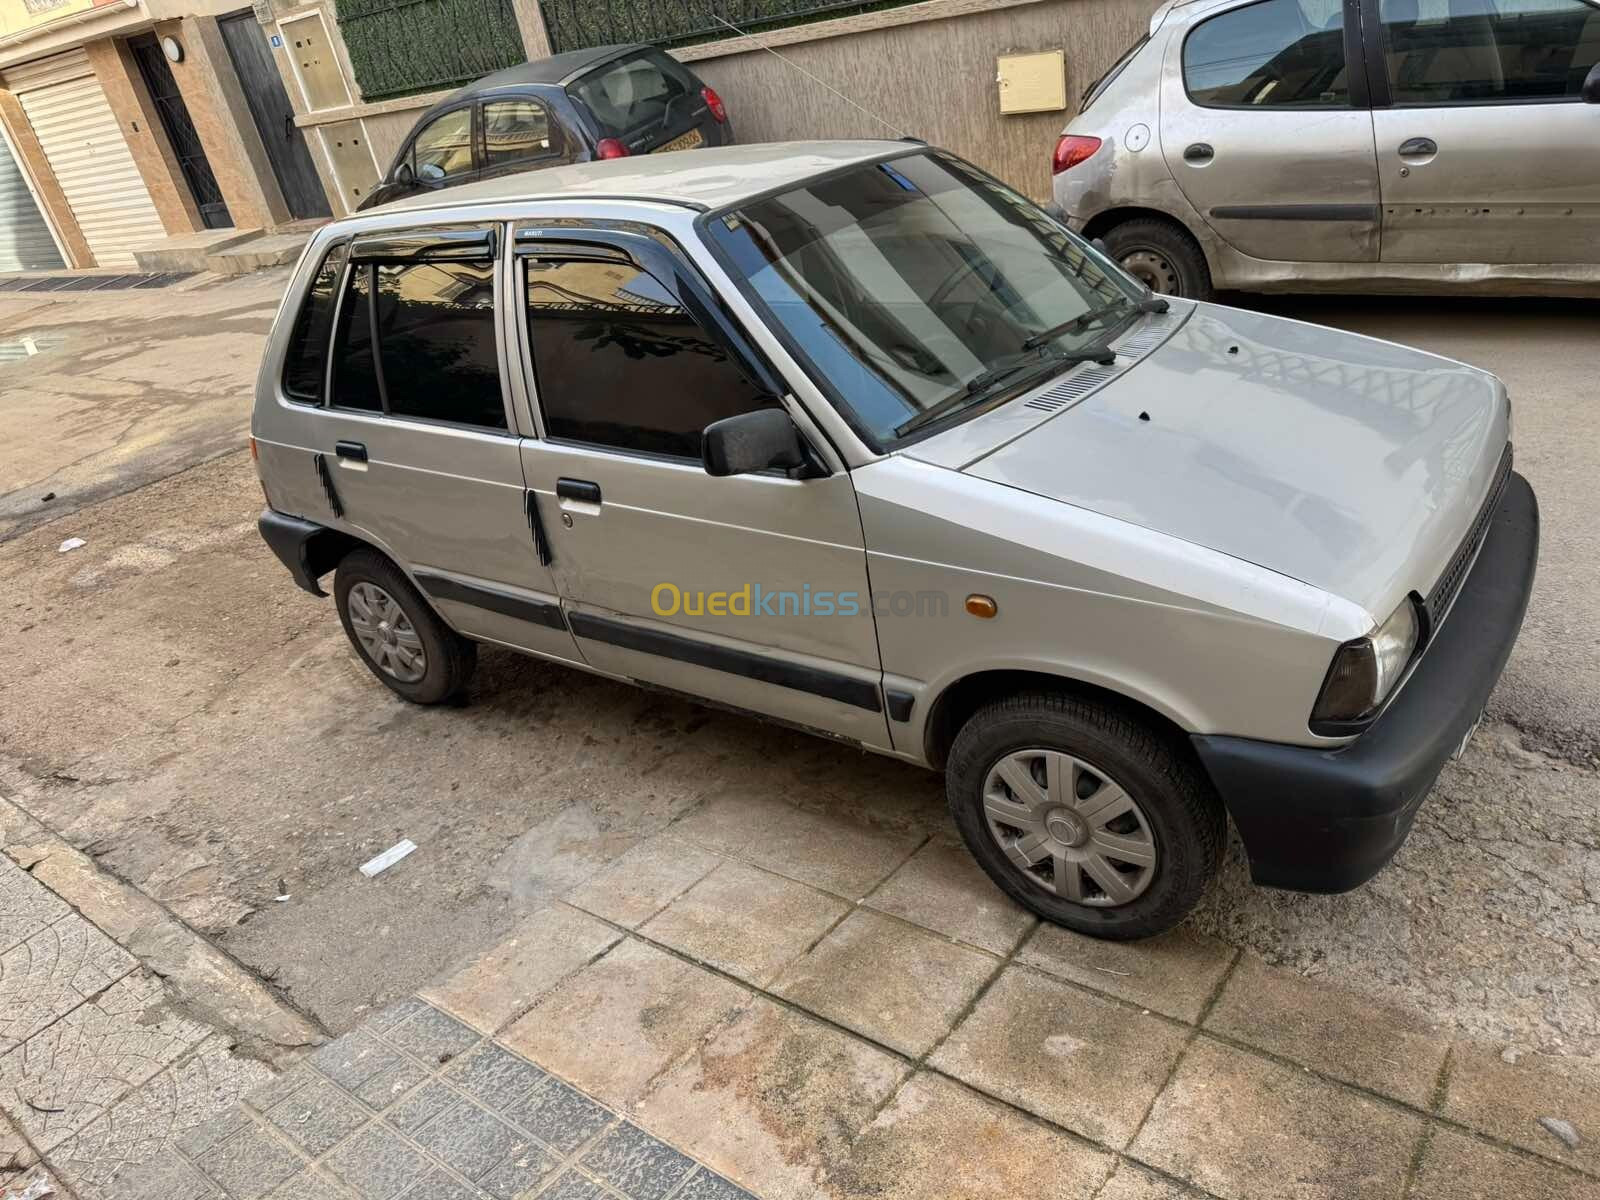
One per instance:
(1488, 51)
(620, 363)
(638, 96)
(1275, 54)
(517, 131)
(305, 364)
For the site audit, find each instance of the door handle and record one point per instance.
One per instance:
(1198, 152)
(1418, 147)
(353, 451)
(578, 489)
(288, 127)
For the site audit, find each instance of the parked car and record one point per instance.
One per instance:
(852, 436)
(604, 102)
(1270, 145)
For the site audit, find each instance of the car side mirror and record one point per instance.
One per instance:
(751, 442)
(1590, 92)
(404, 175)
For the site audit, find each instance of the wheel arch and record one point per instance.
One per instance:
(1104, 222)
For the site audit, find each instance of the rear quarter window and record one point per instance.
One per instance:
(304, 366)
(633, 93)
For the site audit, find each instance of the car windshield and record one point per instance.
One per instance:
(917, 289)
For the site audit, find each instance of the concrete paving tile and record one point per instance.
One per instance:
(494, 1076)
(26, 905)
(382, 1090)
(822, 850)
(637, 1165)
(53, 972)
(1131, 1182)
(560, 1116)
(207, 1134)
(471, 1140)
(644, 880)
(251, 1163)
(1345, 1034)
(441, 1185)
(376, 1164)
(1457, 1166)
(572, 1186)
(1072, 1058)
(353, 1059)
(771, 1099)
(1506, 1100)
(708, 1185)
(746, 922)
(312, 1183)
(165, 1176)
(274, 1090)
(942, 888)
(1251, 1129)
(15, 1153)
(539, 953)
(1173, 974)
(173, 1109)
(71, 1073)
(892, 982)
(391, 1016)
(616, 1024)
(432, 1036)
(519, 1173)
(421, 1106)
(317, 1118)
(937, 1138)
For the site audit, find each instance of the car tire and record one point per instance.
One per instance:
(1161, 254)
(397, 634)
(1173, 815)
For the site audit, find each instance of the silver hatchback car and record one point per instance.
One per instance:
(852, 436)
(1323, 145)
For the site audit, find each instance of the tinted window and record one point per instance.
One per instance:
(1454, 51)
(1280, 53)
(436, 325)
(514, 130)
(355, 372)
(303, 366)
(631, 93)
(444, 148)
(620, 363)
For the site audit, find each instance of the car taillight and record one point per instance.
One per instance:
(610, 148)
(714, 103)
(1071, 150)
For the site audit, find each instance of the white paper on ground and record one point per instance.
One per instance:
(388, 858)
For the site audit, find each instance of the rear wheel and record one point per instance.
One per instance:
(1084, 814)
(1161, 255)
(397, 634)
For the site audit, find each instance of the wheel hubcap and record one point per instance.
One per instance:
(1153, 270)
(386, 633)
(1070, 827)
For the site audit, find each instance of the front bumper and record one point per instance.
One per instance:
(1328, 820)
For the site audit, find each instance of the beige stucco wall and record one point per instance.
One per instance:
(934, 79)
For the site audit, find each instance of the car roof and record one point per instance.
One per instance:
(707, 178)
(557, 69)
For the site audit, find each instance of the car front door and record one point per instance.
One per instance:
(1265, 129)
(1487, 153)
(750, 590)
(418, 453)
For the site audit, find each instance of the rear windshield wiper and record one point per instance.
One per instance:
(984, 381)
(1149, 304)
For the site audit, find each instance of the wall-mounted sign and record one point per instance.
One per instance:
(1032, 82)
(277, 40)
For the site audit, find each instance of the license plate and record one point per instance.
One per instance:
(687, 141)
(1461, 748)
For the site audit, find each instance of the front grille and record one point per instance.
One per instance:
(1449, 583)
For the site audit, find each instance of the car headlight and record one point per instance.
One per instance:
(1366, 670)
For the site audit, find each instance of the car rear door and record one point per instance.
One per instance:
(417, 448)
(519, 133)
(750, 590)
(1264, 126)
(1487, 154)
(648, 102)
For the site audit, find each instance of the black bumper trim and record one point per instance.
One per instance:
(1328, 820)
(298, 544)
(507, 604)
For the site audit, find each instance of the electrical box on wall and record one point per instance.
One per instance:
(1032, 82)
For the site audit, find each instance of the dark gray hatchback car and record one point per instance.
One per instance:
(603, 102)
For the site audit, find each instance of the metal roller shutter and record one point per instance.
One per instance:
(25, 241)
(84, 145)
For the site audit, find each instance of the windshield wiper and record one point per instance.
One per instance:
(1149, 304)
(984, 381)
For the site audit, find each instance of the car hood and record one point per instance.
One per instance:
(1348, 463)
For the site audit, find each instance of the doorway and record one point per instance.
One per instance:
(180, 130)
(284, 141)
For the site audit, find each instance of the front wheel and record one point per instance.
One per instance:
(1162, 256)
(1084, 814)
